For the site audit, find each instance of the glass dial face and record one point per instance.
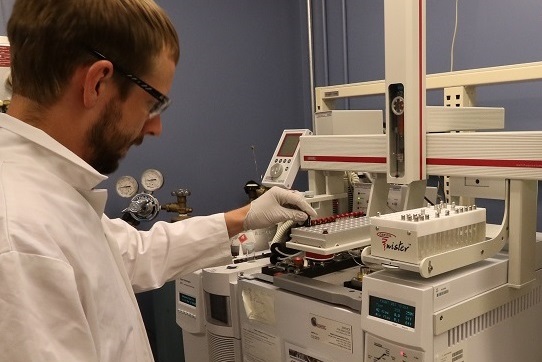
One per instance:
(152, 180)
(126, 186)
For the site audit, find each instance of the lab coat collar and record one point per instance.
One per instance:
(81, 176)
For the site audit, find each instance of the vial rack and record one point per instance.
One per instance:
(333, 231)
(413, 235)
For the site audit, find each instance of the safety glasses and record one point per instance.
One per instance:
(162, 100)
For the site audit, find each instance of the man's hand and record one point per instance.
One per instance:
(275, 206)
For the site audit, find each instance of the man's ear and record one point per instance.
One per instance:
(97, 81)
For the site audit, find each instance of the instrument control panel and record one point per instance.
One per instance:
(285, 162)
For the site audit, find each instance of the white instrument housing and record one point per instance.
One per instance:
(285, 162)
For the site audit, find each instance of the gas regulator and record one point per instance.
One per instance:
(144, 206)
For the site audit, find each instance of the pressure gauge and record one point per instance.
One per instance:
(152, 180)
(126, 186)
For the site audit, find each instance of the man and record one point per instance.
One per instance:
(89, 81)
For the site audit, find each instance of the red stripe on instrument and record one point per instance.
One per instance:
(484, 163)
(472, 162)
(348, 159)
(421, 90)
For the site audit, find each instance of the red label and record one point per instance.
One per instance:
(4, 56)
(242, 238)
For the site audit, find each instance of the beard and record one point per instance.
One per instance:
(107, 141)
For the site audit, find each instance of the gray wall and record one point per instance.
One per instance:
(5, 11)
(242, 79)
(349, 45)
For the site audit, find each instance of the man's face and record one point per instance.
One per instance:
(124, 123)
(108, 140)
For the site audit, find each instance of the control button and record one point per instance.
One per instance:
(276, 170)
(186, 313)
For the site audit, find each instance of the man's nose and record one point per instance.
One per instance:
(153, 126)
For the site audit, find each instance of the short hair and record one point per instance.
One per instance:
(50, 39)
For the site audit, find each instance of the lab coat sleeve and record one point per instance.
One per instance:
(168, 250)
(39, 299)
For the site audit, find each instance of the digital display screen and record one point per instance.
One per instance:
(289, 145)
(188, 299)
(395, 312)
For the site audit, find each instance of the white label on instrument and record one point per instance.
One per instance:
(330, 332)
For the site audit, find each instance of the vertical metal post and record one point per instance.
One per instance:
(311, 60)
(404, 22)
(522, 234)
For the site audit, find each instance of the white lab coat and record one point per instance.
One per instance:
(67, 272)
